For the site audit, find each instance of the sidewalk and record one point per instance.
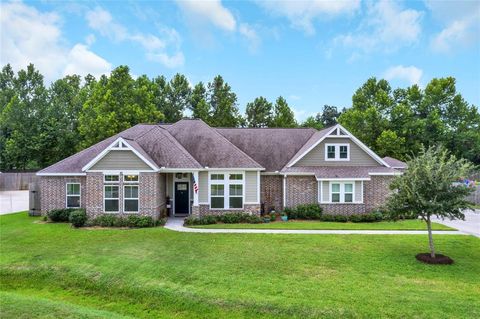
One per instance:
(176, 224)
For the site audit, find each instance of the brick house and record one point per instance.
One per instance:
(194, 169)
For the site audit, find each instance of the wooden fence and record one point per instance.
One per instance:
(16, 181)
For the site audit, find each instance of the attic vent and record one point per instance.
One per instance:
(342, 132)
(335, 132)
(120, 145)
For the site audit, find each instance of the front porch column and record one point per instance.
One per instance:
(195, 193)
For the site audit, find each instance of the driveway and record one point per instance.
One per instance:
(471, 224)
(13, 201)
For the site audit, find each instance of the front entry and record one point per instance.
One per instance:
(181, 198)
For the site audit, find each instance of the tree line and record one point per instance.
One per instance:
(41, 125)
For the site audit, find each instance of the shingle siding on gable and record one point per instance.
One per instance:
(120, 160)
(316, 157)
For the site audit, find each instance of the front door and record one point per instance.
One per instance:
(181, 198)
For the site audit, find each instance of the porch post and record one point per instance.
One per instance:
(195, 193)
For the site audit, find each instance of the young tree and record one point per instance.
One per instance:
(330, 115)
(198, 103)
(259, 113)
(223, 103)
(427, 188)
(283, 115)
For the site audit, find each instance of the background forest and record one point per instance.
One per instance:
(41, 125)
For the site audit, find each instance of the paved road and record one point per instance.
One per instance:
(176, 224)
(13, 201)
(471, 224)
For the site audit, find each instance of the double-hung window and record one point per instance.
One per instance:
(226, 191)
(73, 195)
(111, 193)
(337, 152)
(130, 193)
(341, 192)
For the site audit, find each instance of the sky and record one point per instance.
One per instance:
(310, 52)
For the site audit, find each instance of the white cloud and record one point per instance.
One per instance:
(461, 20)
(156, 48)
(30, 36)
(250, 35)
(302, 14)
(385, 27)
(210, 11)
(410, 74)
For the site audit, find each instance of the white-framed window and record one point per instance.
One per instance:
(111, 178)
(342, 192)
(337, 152)
(130, 178)
(130, 198)
(111, 198)
(227, 190)
(73, 195)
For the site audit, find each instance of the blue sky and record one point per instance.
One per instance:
(311, 52)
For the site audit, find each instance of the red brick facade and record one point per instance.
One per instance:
(301, 190)
(204, 210)
(271, 191)
(376, 191)
(53, 192)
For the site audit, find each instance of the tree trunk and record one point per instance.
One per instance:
(430, 237)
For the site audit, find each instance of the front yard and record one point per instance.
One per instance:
(293, 224)
(52, 270)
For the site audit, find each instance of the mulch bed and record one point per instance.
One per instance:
(438, 260)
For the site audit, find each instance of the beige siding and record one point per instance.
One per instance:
(203, 187)
(358, 191)
(326, 191)
(120, 160)
(316, 157)
(251, 187)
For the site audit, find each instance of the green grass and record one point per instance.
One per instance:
(384, 225)
(55, 271)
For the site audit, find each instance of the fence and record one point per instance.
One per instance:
(475, 196)
(16, 181)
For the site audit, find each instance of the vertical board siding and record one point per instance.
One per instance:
(251, 185)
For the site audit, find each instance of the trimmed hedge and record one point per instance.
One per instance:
(307, 211)
(78, 218)
(131, 221)
(227, 218)
(60, 215)
(355, 218)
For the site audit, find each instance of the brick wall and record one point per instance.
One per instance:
(343, 209)
(149, 196)
(376, 191)
(53, 191)
(204, 210)
(301, 190)
(271, 191)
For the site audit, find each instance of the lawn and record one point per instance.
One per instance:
(55, 271)
(384, 225)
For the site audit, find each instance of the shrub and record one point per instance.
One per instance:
(307, 211)
(161, 222)
(78, 217)
(378, 215)
(120, 222)
(254, 219)
(356, 218)
(328, 218)
(340, 218)
(136, 221)
(105, 220)
(60, 215)
(204, 220)
(235, 218)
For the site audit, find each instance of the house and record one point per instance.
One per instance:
(195, 169)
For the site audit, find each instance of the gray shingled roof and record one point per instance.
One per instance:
(270, 147)
(209, 147)
(393, 162)
(340, 171)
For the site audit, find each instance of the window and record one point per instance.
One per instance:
(130, 178)
(341, 192)
(331, 151)
(337, 152)
(226, 191)
(236, 196)
(73, 195)
(111, 198)
(217, 193)
(130, 198)
(111, 178)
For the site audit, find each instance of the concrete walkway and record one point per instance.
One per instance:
(471, 224)
(176, 224)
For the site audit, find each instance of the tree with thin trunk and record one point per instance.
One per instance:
(430, 187)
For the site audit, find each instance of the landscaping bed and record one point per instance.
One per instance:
(53, 270)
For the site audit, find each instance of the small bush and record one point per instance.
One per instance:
(378, 215)
(204, 220)
(105, 220)
(161, 222)
(356, 218)
(135, 221)
(235, 218)
(60, 215)
(307, 211)
(120, 222)
(328, 218)
(132, 221)
(341, 218)
(78, 218)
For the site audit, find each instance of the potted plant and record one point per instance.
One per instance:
(284, 217)
(273, 215)
(266, 218)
